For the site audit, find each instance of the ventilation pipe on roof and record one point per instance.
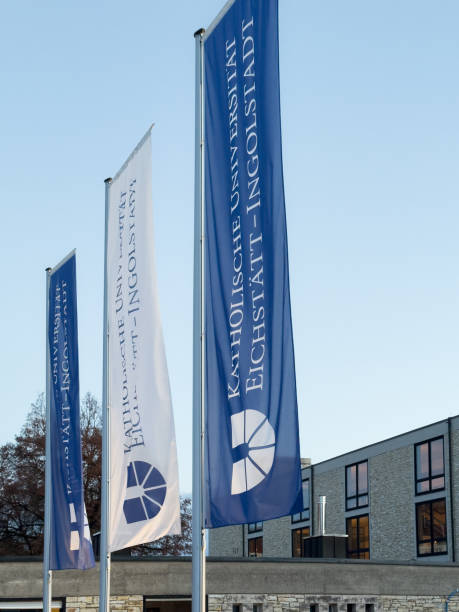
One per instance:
(322, 504)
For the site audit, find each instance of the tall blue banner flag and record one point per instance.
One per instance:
(70, 540)
(252, 462)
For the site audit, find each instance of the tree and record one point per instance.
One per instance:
(22, 486)
(176, 545)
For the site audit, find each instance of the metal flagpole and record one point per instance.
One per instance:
(199, 542)
(47, 573)
(104, 590)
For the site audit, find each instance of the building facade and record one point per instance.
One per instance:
(396, 500)
(245, 585)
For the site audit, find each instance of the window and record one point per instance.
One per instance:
(236, 607)
(254, 527)
(369, 607)
(314, 608)
(256, 547)
(431, 528)
(357, 485)
(358, 541)
(351, 607)
(304, 515)
(333, 608)
(430, 466)
(298, 537)
(257, 607)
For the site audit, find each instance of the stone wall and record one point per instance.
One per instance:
(125, 603)
(336, 603)
(284, 602)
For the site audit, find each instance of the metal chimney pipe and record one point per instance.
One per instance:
(322, 504)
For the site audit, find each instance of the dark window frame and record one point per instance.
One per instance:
(255, 527)
(445, 539)
(429, 478)
(302, 541)
(257, 539)
(359, 550)
(305, 514)
(357, 493)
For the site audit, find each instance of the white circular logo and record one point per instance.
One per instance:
(252, 432)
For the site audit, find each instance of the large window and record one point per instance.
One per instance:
(358, 541)
(254, 527)
(431, 528)
(298, 538)
(256, 547)
(357, 485)
(430, 466)
(304, 515)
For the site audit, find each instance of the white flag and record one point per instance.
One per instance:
(144, 491)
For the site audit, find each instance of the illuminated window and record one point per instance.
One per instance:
(298, 537)
(256, 547)
(431, 528)
(357, 485)
(304, 515)
(358, 541)
(430, 466)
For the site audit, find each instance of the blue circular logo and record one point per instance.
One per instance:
(145, 494)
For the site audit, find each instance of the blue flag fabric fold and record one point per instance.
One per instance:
(252, 445)
(70, 540)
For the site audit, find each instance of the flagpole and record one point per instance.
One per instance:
(199, 567)
(47, 573)
(104, 590)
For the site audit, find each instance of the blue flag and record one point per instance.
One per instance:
(70, 540)
(252, 461)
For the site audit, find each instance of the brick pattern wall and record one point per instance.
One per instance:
(226, 542)
(124, 603)
(286, 602)
(277, 537)
(455, 470)
(392, 515)
(331, 484)
(328, 603)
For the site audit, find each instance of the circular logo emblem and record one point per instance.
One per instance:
(254, 439)
(146, 491)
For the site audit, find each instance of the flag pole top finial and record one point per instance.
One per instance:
(199, 32)
(48, 269)
(108, 180)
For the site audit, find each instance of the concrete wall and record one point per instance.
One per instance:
(251, 576)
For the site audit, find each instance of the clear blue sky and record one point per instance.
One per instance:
(370, 98)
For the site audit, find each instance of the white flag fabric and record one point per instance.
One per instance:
(144, 490)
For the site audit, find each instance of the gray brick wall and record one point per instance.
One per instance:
(455, 475)
(277, 538)
(392, 501)
(226, 541)
(330, 484)
(391, 480)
